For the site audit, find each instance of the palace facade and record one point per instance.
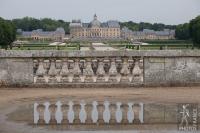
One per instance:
(95, 29)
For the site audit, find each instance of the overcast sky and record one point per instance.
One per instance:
(164, 11)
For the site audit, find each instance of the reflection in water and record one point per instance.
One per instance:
(47, 115)
(95, 113)
(59, 114)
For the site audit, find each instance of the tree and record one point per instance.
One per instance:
(143, 25)
(47, 24)
(7, 33)
(182, 32)
(158, 26)
(194, 28)
(27, 23)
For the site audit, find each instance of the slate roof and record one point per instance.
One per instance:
(40, 32)
(85, 25)
(95, 23)
(26, 33)
(113, 24)
(165, 32)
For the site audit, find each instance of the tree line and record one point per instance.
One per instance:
(189, 31)
(143, 25)
(47, 24)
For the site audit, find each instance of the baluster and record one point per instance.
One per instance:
(82, 113)
(64, 109)
(59, 113)
(124, 108)
(118, 113)
(113, 71)
(64, 71)
(119, 67)
(95, 112)
(106, 113)
(106, 68)
(70, 114)
(71, 69)
(52, 109)
(58, 69)
(125, 70)
(141, 113)
(88, 109)
(35, 114)
(40, 72)
(46, 65)
(82, 66)
(77, 109)
(131, 66)
(40, 110)
(76, 72)
(137, 72)
(52, 71)
(100, 109)
(88, 71)
(47, 114)
(100, 71)
(94, 65)
(130, 113)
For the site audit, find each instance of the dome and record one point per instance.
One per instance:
(95, 22)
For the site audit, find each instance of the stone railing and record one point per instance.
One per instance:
(88, 70)
(88, 113)
(100, 68)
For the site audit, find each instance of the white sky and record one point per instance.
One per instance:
(164, 11)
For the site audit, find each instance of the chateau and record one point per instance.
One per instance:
(111, 30)
(95, 29)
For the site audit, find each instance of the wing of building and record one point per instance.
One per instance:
(39, 34)
(95, 29)
(147, 34)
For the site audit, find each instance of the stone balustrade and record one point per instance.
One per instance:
(88, 113)
(88, 70)
(100, 68)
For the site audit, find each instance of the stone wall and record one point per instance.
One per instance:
(172, 70)
(108, 68)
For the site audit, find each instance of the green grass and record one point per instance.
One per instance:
(168, 41)
(153, 45)
(45, 48)
(158, 46)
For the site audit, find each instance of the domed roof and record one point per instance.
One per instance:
(95, 22)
